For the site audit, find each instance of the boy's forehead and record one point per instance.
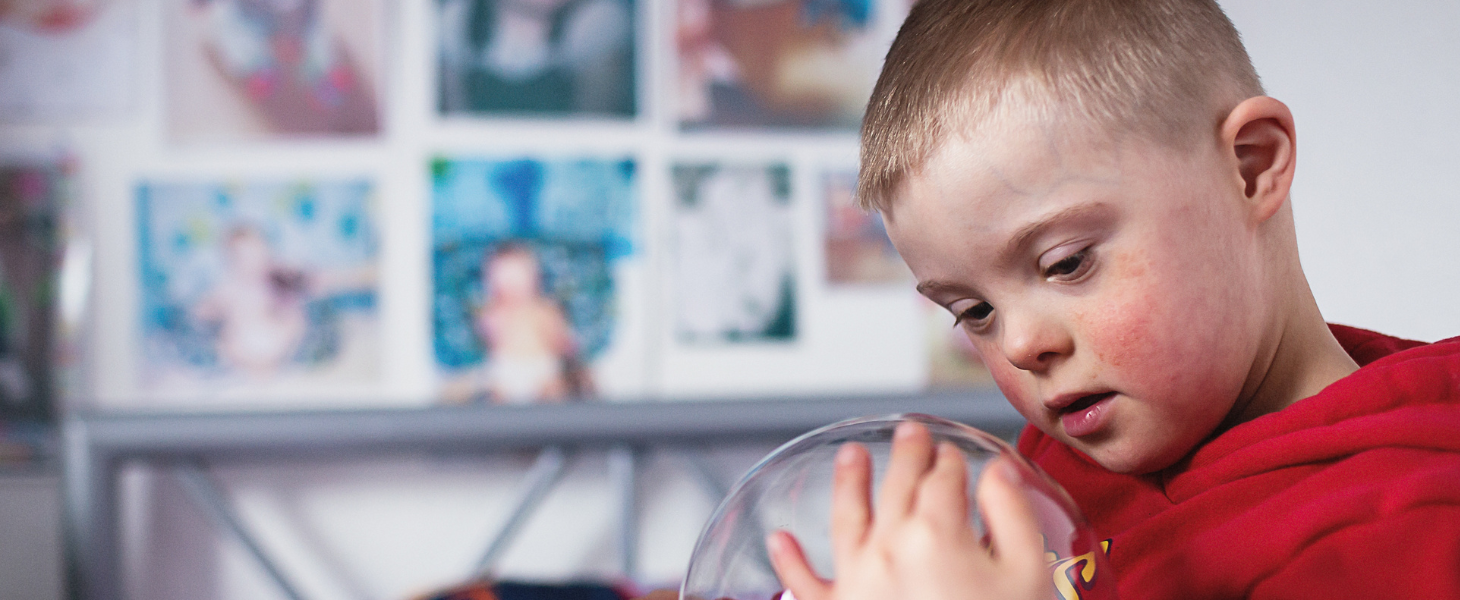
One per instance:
(1009, 163)
(982, 196)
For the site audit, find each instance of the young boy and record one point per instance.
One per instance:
(1097, 190)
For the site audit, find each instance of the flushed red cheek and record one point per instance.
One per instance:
(1150, 344)
(1119, 326)
(1120, 332)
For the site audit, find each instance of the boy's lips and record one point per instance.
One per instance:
(1071, 401)
(1080, 414)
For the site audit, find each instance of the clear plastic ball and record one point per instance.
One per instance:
(790, 490)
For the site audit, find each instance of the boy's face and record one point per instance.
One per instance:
(1112, 286)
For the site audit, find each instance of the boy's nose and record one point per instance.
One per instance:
(1034, 343)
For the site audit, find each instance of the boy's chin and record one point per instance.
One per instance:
(1124, 460)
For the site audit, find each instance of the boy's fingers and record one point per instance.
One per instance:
(912, 456)
(1009, 516)
(943, 495)
(795, 572)
(851, 499)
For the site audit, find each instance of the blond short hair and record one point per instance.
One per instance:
(1165, 69)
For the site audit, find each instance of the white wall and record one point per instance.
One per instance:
(1374, 88)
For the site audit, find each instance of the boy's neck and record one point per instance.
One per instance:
(1304, 359)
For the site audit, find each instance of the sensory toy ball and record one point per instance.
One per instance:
(790, 490)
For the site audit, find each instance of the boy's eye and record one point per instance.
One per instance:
(975, 313)
(1068, 267)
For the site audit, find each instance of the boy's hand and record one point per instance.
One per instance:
(920, 544)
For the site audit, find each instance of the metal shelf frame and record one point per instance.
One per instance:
(96, 445)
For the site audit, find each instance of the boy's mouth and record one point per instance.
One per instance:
(1066, 403)
(1085, 402)
(1084, 415)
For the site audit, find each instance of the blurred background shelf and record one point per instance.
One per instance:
(96, 445)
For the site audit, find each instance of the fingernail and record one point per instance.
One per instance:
(905, 430)
(846, 455)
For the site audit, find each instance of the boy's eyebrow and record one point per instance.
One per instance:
(934, 286)
(1028, 232)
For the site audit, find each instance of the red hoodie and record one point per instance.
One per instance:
(1351, 493)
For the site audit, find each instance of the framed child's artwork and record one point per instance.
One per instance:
(745, 311)
(528, 269)
(31, 194)
(858, 251)
(259, 69)
(544, 58)
(778, 63)
(258, 290)
(733, 262)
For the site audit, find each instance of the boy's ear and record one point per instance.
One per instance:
(1260, 135)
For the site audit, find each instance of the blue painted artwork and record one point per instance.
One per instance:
(523, 271)
(257, 281)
